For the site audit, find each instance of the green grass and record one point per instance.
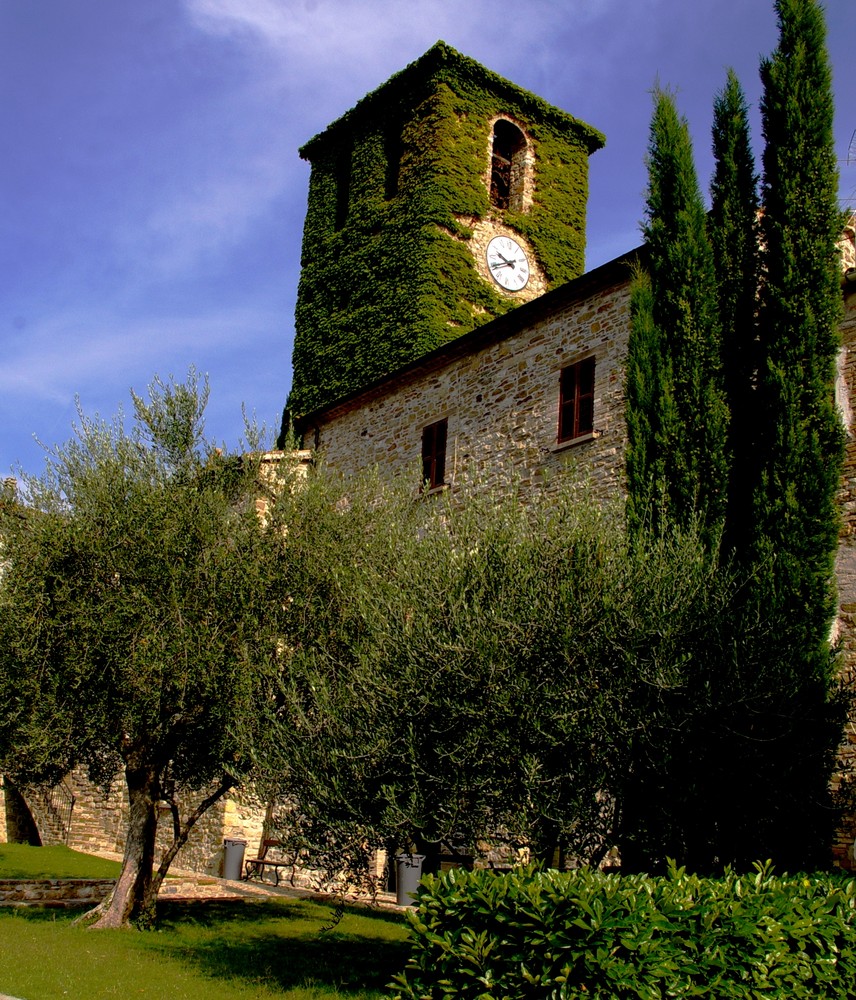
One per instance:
(224, 951)
(24, 861)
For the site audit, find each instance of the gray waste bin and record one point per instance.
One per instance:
(408, 872)
(233, 859)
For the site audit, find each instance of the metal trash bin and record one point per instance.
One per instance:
(233, 859)
(408, 872)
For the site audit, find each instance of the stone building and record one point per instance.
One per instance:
(520, 395)
(504, 357)
(543, 385)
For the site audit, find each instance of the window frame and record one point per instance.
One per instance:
(435, 438)
(508, 166)
(576, 400)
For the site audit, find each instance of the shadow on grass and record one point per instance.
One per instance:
(282, 944)
(207, 912)
(175, 914)
(45, 914)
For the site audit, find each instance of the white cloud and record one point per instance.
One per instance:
(202, 217)
(67, 353)
(349, 45)
(321, 32)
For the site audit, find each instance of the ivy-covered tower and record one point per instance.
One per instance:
(443, 199)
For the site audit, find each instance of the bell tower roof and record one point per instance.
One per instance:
(443, 63)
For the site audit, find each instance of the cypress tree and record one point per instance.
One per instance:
(799, 434)
(733, 229)
(676, 463)
(649, 407)
(676, 410)
(790, 716)
(745, 773)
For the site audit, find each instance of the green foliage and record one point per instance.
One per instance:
(472, 668)
(135, 631)
(398, 278)
(734, 236)
(582, 934)
(799, 433)
(677, 466)
(735, 762)
(784, 522)
(742, 768)
(649, 409)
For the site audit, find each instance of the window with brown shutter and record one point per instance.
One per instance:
(576, 400)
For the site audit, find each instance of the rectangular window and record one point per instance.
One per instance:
(434, 454)
(576, 400)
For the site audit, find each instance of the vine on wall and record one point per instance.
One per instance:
(395, 278)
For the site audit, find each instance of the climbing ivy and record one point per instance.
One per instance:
(397, 278)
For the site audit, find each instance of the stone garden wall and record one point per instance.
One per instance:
(60, 892)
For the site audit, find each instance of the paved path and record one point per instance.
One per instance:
(186, 885)
(189, 886)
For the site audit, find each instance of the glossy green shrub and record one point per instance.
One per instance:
(551, 934)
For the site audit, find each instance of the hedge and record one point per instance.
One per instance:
(549, 934)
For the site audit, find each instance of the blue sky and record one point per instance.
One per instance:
(153, 198)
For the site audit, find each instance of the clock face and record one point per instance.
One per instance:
(507, 263)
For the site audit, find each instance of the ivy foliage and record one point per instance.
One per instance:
(389, 275)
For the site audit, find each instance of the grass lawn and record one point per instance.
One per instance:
(204, 952)
(24, 861)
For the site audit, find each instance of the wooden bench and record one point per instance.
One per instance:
(255, 867)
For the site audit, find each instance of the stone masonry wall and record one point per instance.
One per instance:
(99, 821)
(4, 818)
(99, 817)
(846, 397)
(501, 403)
(238, 816)
(843, 847)
(55, 892)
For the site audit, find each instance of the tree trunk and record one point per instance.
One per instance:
(131, 896)
(180, 835)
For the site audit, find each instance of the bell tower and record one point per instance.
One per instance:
(443, 199)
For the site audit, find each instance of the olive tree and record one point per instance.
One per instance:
(136, 633)
(473, 668)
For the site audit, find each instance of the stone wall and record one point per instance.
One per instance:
(843, 847)
(99, 817)
(4, 819)
(238, 816)
(60, 892)
(99, 821)
(846, 397)
(500, 400)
